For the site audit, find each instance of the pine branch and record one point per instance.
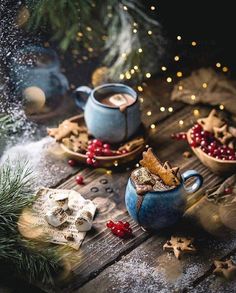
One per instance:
(22, 256)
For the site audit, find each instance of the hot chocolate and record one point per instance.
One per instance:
(117, 100)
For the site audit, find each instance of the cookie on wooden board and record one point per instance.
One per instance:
(180, 246)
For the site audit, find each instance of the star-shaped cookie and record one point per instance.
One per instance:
(213, 120)
(222, 134)
(180, 246)
(225, 269)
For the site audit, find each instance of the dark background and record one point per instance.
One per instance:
(212, 24)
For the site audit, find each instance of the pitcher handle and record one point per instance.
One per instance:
(81, 96)
(196, 184)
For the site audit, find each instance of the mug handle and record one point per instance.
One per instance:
(81, 96)
(196, 184)
(60, 80)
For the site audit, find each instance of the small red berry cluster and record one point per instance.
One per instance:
(98, 148)
(179, 136)
(120, 229)
(210, 145)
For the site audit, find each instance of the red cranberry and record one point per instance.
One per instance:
(126, 224)
(110, 224)
(90, 154)
(114, 230)
(97, 142)
(107, 152)
(79, 179)
(98, 151)
(89, 161)
(120, 233)
(106, 146)
(72, 163)
(91, 148)
(228, 190)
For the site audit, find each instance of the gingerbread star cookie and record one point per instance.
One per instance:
(133, 144)
(222, 134)
(77, 143)
(165, 172)
(226, 269)
(65, 129)
(180, 246)
(213, 120)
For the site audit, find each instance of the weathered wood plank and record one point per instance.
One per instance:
(100, 248)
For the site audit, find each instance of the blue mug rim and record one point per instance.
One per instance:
(134, 94)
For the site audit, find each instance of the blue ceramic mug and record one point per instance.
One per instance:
(105, 122)
(38, 66)
(160, 209)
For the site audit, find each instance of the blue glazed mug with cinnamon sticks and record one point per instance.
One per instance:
(160, 209)
(111, 111)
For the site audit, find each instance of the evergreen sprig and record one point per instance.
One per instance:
(22, 256)
(104, 26)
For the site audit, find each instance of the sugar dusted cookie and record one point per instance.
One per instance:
(180, 246)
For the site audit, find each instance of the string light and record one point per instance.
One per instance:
(225, 69)
(170, 109)
(181, 122)
(180, 88)
(162, 109)
(128, 75)
(125, 8)
(218, 65)
(194, 43)
(176, 58)
(124, 55)
(122, 76)
(90, 49)
(88, 28)
(149, 33)
(179, 74)
(169, 79)
(80, 34)
(179, 38)
(221, 107)
(108, 172)
(193, 97)
(140, 88)
(141, 100)
(132, 71)
(135, 30)
(149, 113)
(140, 50)
(135, 24)
(152, 7)
(148, 75)
(196, 112)
(152, 126)
(136, 67)
(163, 68)
(204, 85)
(137, 165)
(115, 163)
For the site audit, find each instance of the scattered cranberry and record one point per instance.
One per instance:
(179, 136)
(228, 190)
(106, 146)
(79, 179)
(120, 229)
(72, 163)
(89, 161)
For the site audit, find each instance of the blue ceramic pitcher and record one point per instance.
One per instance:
(160, 209)
(26, 71)
(105, 122)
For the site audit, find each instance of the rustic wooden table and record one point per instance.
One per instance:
(106, 263)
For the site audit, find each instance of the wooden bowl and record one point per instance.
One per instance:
(110, 161)
(215, 165)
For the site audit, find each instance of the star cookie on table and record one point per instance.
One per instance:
(180, 246)
(77, 143)
(222, 134)
(226, 269)
(213, 120)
